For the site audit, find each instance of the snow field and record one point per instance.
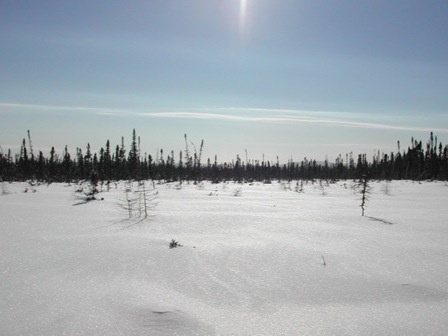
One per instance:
(270, 261)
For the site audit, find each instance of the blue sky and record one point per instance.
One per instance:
(293, 78)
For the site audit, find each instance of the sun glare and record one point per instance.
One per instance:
(243, 8)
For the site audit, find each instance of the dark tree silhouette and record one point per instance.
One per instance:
(418, 162)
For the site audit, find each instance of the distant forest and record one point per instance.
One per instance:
(419, 161)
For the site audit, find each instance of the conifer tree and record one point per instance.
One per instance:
(363, 187)
(67, 165)
(133, 160)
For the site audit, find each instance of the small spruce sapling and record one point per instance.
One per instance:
(128, 203)
(91, 188)
(138, 203)
(363, 188)
(146, 199)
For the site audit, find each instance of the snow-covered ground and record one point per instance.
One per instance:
(269, 261)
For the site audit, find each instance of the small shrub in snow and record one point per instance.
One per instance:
(285, 185)
(237, 192)
(299, 187)
(89, 187)
(174, 244)
(214, 193)
(30, 188)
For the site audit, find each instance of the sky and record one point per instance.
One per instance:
(288, 78)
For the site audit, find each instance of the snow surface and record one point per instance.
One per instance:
(270, 261)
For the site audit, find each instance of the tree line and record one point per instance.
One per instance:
(418, 162)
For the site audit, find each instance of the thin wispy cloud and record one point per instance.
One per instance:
(293, 112)
(254, 115)
(285, 119)
(38, 107)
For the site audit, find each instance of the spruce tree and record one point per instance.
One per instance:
(363, 187)
(133, 157)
